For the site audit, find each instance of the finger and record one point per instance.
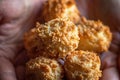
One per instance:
(109, 66)
(82, 6)
(108, 59)
(20, 72)
(21, 19)
(7, 71)
(116, 38)
(110, 74)
(21, 59)
(114, 48)
(6, 6)
(8, 51)
(119, 61)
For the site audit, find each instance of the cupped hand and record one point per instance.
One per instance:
(108, 12)
(17, 17)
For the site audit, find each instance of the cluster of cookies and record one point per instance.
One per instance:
(66, 46)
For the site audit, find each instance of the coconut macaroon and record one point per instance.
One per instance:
(54, 39)
(94, 36)
(42, 68)
(82, 65)
(59, 9)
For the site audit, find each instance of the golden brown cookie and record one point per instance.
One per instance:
(60, 9)
(54, 39)
(82, 65)
(94, 36)
(42, 68)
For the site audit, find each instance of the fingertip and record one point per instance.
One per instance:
(110, 74)
(7, 71)
(119, 62)
(108, 59)
(21, 59)
(20, 72)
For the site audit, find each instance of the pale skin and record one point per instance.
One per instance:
(18, 16)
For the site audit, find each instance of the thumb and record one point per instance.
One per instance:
(7, 71)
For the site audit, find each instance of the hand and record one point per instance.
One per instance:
(108, 12)
(16, 17)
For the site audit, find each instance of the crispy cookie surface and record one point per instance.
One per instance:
(60, 9)
(94, 36)
(82, 65)
(55, 38)
(42, 68)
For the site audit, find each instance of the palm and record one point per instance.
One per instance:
(16, 17)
